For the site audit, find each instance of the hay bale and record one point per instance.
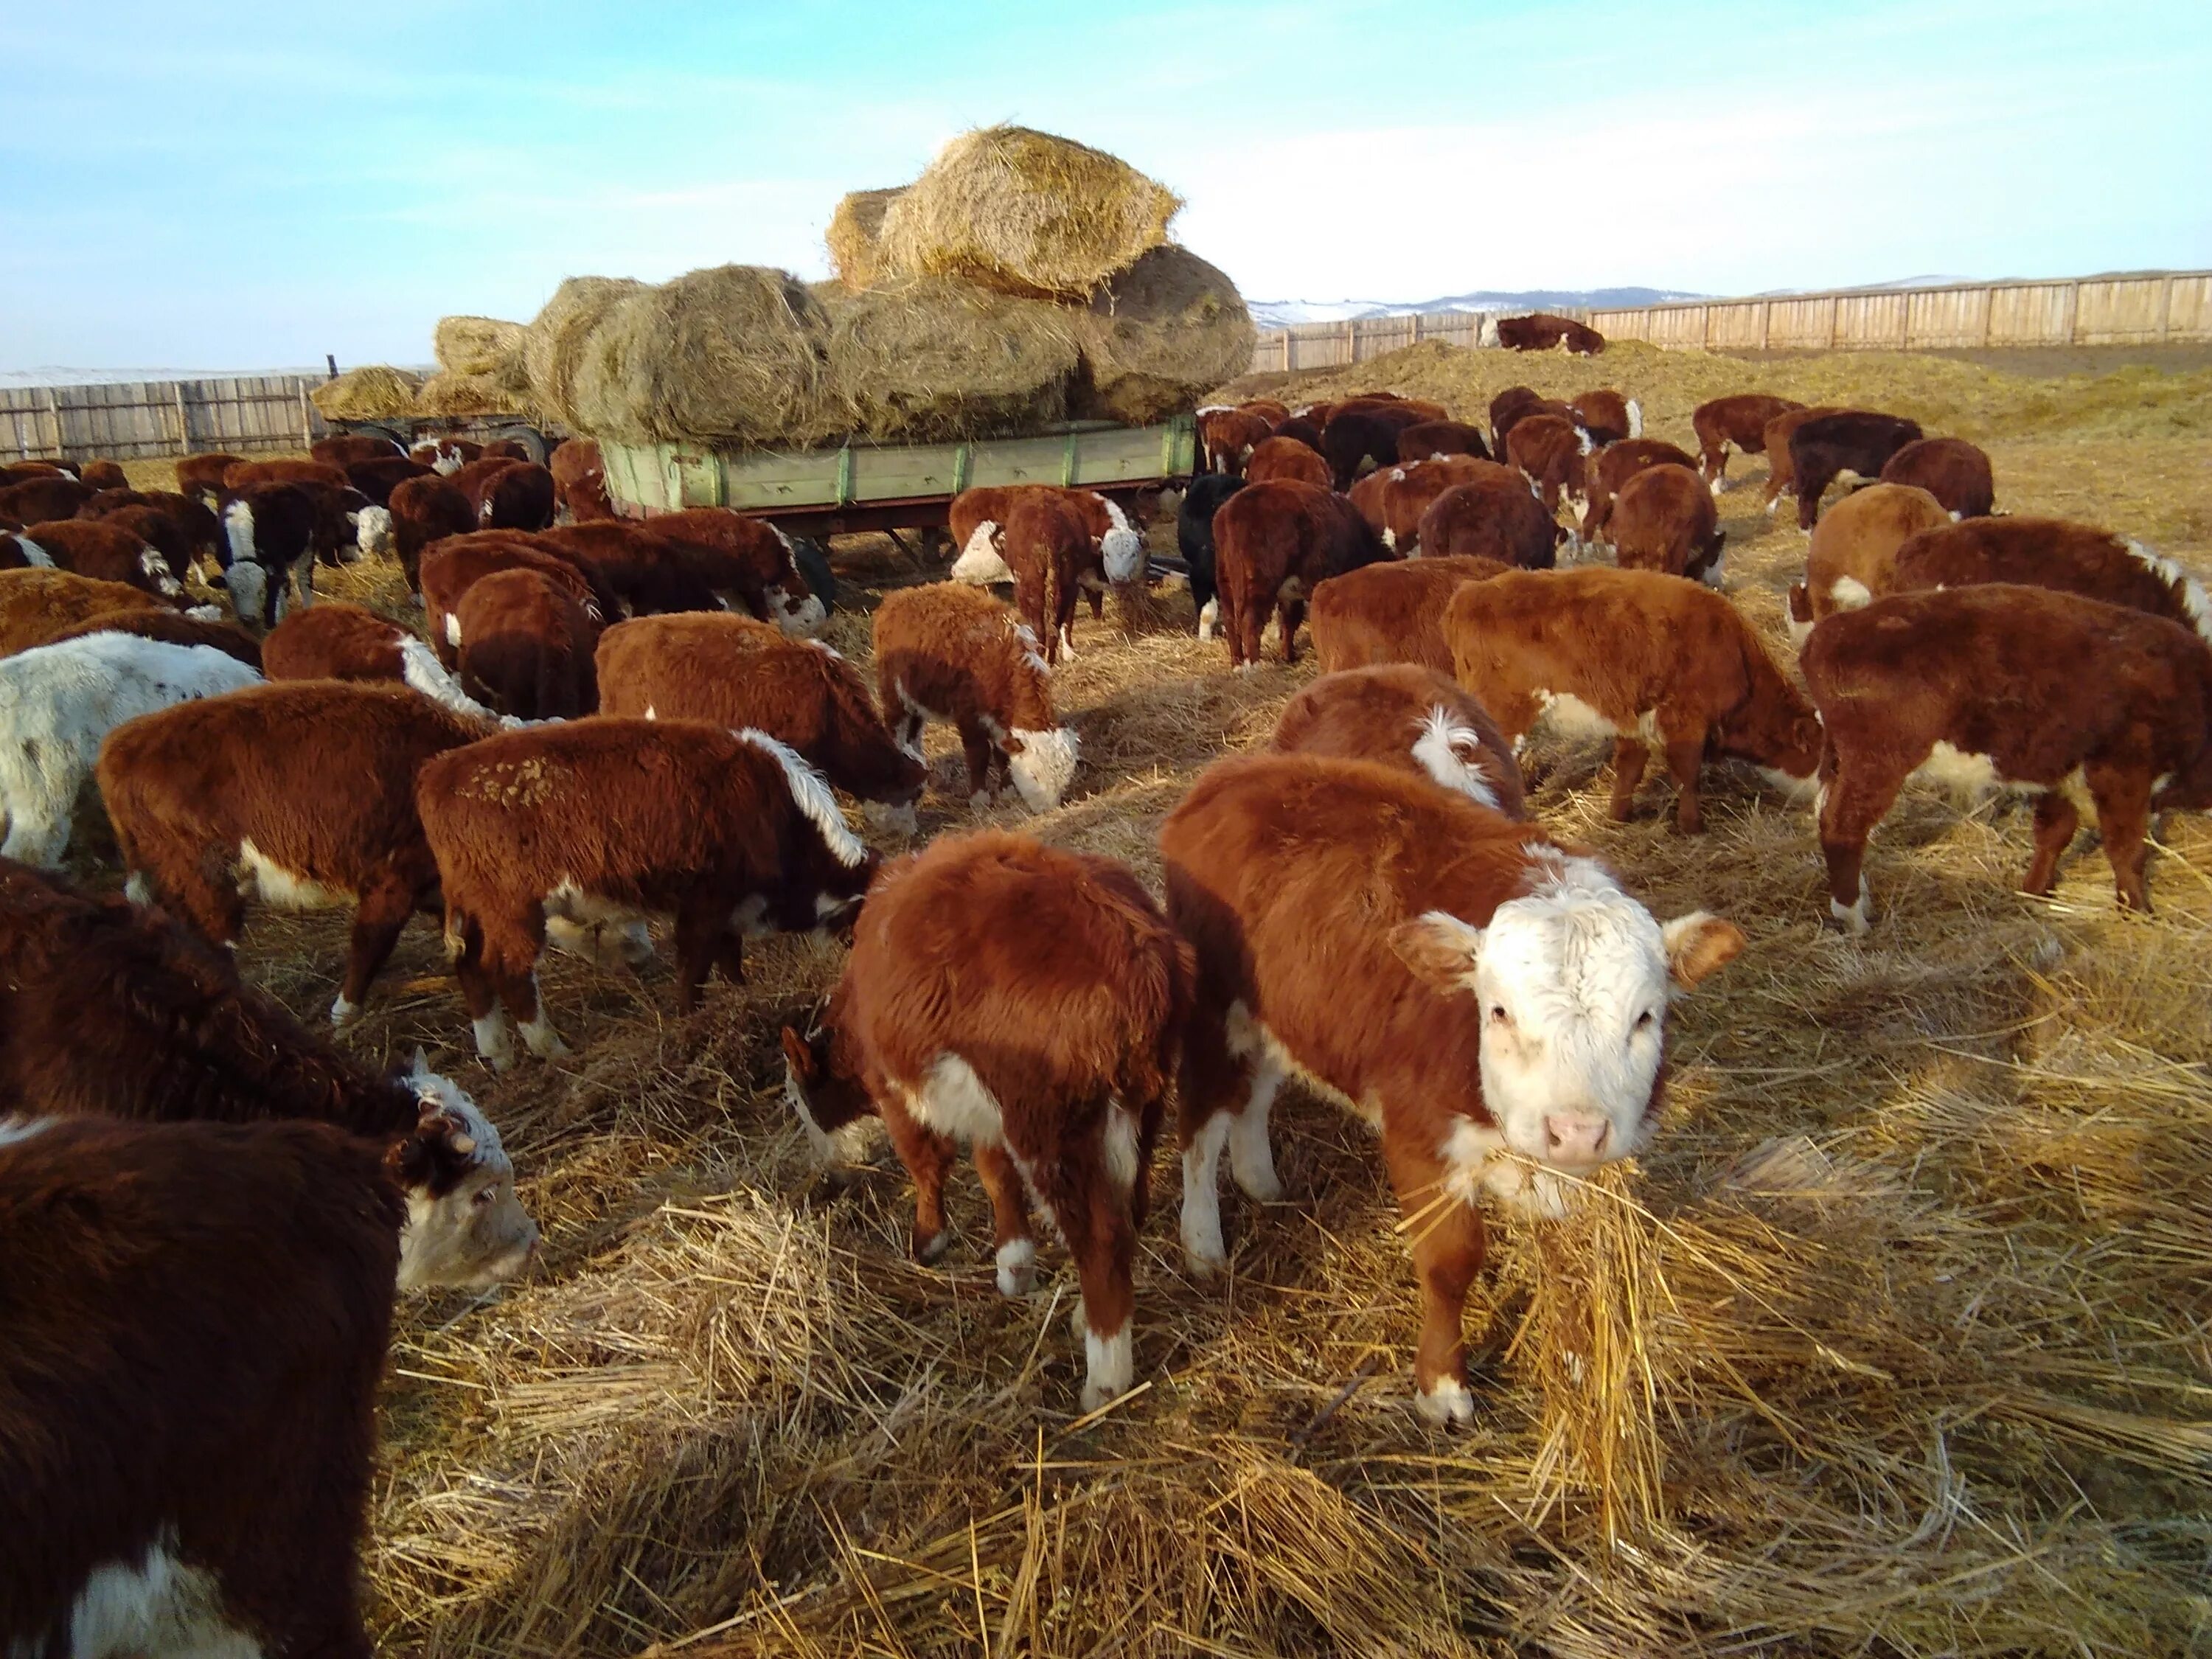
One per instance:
(553, 345)
(448, 395)
(1159, 336)
(929, 360)
(855, 233)
(1026, 213)
(733, 355)
(374, 392)
(475, 345)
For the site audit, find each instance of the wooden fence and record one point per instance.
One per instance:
(2154, 308)
(131, 420)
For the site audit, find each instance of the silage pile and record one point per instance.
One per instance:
(1022, 280)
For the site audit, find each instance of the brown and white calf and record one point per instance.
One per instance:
(323, 475)
(113, 1011)
(1227, 437)
(1664, 520)
(1848, 444)
(601, 822)
(1412, 719)
(748, 559)
(35, 501)
(426, 510)
(2020, 689)
(1427, 438)
(2052, 553)
(377, 479)
(1045, 546)
(579, 480)
(1952, 470)
(1267, 408)
(155, 527)
(1549, 449)
(1739, 419)
(1273, 543)
(976, 522)
(646, 573)
(1493, 518)
(526, 644)
(1282, 457)
(507, 494)
(1392, 499)
(452, 566)
(201, 476)
(269, 532)
(101, 548)
(975, 937)
(1852, 556)
(1494, 1004)
(346, 448)
(189, 1492)
(737, 673)
(1780, 474)
(953, 654)
(339, 641)
(1604, 472)
(1608, 417)
(1392, 612)
(1637, 656)
(446, 456)
(1541, 330)
(299, 794)
(36, 603)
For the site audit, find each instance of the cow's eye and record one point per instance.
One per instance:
(1498, 1014)
(486, 1194)
(1645, 1020)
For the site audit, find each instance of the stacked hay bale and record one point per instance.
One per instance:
(480, 369)
(374, 392)
(1022, 280)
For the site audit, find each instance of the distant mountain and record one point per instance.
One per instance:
(1281, 314)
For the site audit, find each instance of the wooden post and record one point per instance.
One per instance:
(306, 420)
(1416, 318)
(184, 420)
(1705, 327)
(54, 420)
(2073, 310)
(1989, 315)
(1765, 320)
(1289, 352)
(1904, 324)
(1351, 340)
(1835, 320)
(2164, 309)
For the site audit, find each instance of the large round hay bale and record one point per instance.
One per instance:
(930, 359)
(553, 343)
(855, 232)
(374, 392)
(734, 354)
(474, 345)
(1159, 336)
(449, 396)
(1026, 213)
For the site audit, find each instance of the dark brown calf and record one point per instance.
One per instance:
(103, 474)
(1411, 719)
(649, 575)
(171, 628)
(1739, 419)
(579, 480)
(1606, 471)
(1493, 518)
(1361, 437)
(424, 510)
(1952, 470)
(42, 500)
(1549, 449)
(1850, 443)
(454, 565)
(1300, 428)
(1272, 543)
(1542, 331)
(1392, 499)
(1638, 658)
(1427, 438)
(1392, 612)
(748, 559)
(106, 549)
(1664, 520)
(2052, 553)
(1282, 457)
(377, 478)
(526, 644)
(269, 533)
(2031, 691)
(1509, 406)
(348, 448)
(956, 945)
(518, 496)
(1608, 417)
(244, 475)
(1780, 476)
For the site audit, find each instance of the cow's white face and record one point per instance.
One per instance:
(1573, 982)
(1043, 767)
(476, 1233)
(371, 533)
(248, 585)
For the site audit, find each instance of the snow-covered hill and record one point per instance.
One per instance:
(1281, 314)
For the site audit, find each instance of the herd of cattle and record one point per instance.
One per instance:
(206, 1208)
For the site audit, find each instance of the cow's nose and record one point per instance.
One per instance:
(1575, 1138)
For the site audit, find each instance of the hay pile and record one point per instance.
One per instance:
(476, 345)
(1026, 213)
(554, 343)
(1156, 335)
(927, 360)
(374, 392)
(855, 232)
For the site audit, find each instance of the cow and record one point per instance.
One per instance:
(579, 480)
(447, 456)
(975, 937)
(169, 627)
(1849, 444)
(426, 510)
(112, 1010)
(325, 475)
(1776, 436)
(953, 654)
(348, 527)
(197, 1316)
(753, 560)
(97, 475)
(1411, 718)
(1194, 539)
(377, 478)
(1952, 470)
(507, 494)
(1392, 499)
(1509, 406)
(15, 472)
(1605, 471)
(1273, 543)
(218, 800)
(108, 549)
(269, 532)
(1423, 439)
(338, 642)
(1493, 517)
(40, 500)
(58, 702)
(1549, 451)
(1664, 520)
(1638, 658)
(1356, 439)
(346, 449)
(1392, 612)
(648, 574)
(1267, 408)
(2023, 690)
(1608, 417)
(179, 529)
(1739, 419)
(454, 565)
(1853, 552)
(1286, 458)
(1494, 1003)
(977, 520)
(36, 603)
(1227, 438)
(735, 671)
(1543, 331)
(1049, 550)
(2052, 553)
(1299, 428)
(201, 476)
(525, 646)
(602, 821)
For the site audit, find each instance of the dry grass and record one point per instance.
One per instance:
(1899, 1342)
(452, 393)
(374, 392)
(476, 345)
(856, 228)
(554, 343)
(1159, 335)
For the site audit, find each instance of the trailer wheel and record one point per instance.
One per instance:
(392, 434)
(532, 440)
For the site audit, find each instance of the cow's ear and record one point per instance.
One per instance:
(422, 1065)
(1439, 948)
(798, 1057)
(1698, 945)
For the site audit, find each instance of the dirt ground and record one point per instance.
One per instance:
(1946, 1390)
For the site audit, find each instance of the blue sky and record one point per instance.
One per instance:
(252, 185)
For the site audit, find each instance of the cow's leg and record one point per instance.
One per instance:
(2122, 795)
(1090, 1196)
(702, 924)
(1064, 604)
(1854, 796)
(510, 958)
(1811, 486)
(1686, 759)
(1290, 616)
(1212, 1077)
(1015, 1251)
(926, 1155)
(1252, 626)
(1629, 756)
(201, 887)
(2055, 821)
(975, 745)
(387, 899)
(1448, 1247)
